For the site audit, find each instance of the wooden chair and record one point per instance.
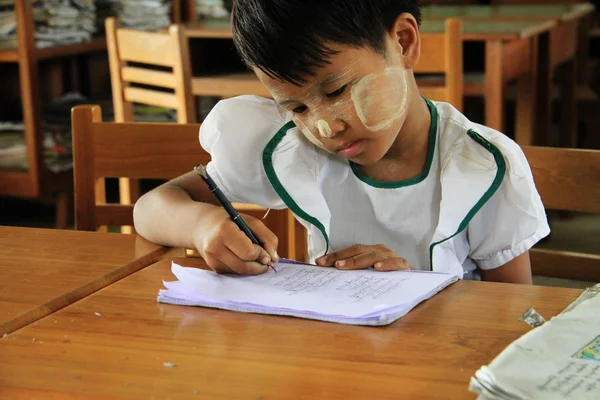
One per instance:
(569, 180)
(158, 65)
(442, 53)
(140, 151)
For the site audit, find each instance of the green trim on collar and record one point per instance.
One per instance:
(267, 158)
(500, 172)
(428, 162)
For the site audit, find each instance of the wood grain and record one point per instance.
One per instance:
(431, 353)
(443, 54)
(44, 270)
(229, 85)
(567, 179)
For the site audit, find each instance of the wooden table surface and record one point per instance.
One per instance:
(43, 270)
(119, 343)
(510, 12)
(473, 30)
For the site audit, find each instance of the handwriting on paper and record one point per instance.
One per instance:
(355, 287)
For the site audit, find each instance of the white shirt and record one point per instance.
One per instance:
(476, 207)
(402, 215)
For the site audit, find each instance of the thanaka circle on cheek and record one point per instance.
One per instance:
(324, 129)
(374, 113)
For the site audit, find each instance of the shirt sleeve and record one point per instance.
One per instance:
(513, 220)
(235, 134)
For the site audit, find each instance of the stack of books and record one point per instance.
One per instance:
(57, 22)
(138, 14)
(64, 22)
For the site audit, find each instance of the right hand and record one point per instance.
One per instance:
(226, 249)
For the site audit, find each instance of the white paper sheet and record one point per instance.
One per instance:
(308, 291)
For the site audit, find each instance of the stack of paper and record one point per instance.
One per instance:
(8, 25)
(13, 152)
(62, 22)
(558, 360)
(143, 14)
(8, 22)
(211, 9)
(363, 297)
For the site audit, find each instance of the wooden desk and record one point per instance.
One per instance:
(567, 43)
(43, 270)
(138, 348)
(508, 12)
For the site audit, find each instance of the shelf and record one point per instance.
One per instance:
(228, 85)
(98, 44)
(16, 183)
(209, 28)
(9, 56)
(57, 51)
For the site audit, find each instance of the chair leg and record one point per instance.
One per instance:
(63, 210)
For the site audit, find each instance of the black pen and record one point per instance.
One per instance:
(233, 214)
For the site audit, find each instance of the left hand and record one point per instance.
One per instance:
(361, 256)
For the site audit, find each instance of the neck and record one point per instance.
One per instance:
(407, 156)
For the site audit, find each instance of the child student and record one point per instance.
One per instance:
(380, 176)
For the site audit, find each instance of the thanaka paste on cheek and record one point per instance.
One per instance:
(324, 129)
(381, 99)
(307, 133)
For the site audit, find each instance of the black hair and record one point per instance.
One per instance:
(288, 39)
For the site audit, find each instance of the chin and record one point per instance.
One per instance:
(366, 159)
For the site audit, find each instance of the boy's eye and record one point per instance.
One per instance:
(299, 110)
(337, 92)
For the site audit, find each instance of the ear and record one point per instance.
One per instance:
(405, 40)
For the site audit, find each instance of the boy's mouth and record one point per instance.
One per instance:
(351, 149)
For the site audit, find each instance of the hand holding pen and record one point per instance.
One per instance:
(236, 217)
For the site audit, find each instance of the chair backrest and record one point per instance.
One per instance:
(140, 151)
(132, 150)
(149, 68)
(568, 180)
(442, 53)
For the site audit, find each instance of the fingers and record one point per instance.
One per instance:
(236, 241)
(364, 256)
(330, 259)
(227, 249)
(216, 265)
(228, 262)
(364, 260)
(392, 264)
(264, 235)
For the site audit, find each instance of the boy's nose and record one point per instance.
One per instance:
(330, 128)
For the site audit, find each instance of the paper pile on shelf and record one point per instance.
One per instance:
(8, 25)
(64, 22)
(211, 9)
(137, 14)
(57, 22)
(13, 152)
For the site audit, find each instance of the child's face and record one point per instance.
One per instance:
(353, 107)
